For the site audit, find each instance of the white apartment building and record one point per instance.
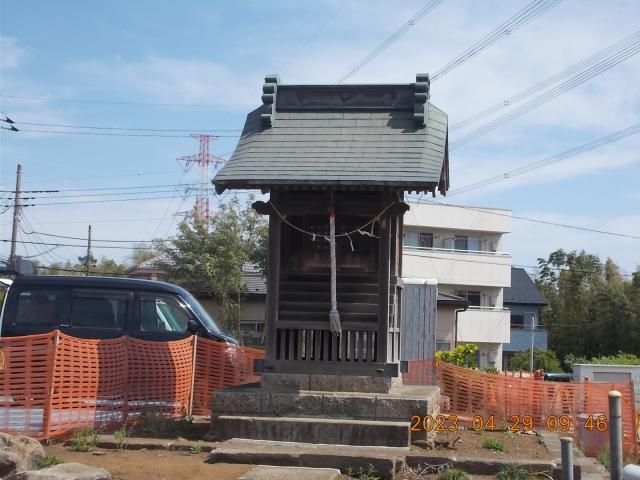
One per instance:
(461, 247)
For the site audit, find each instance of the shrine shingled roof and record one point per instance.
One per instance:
(357, 136)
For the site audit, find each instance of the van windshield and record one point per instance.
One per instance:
(202, 314)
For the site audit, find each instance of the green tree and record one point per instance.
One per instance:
(542, 360)
(105, 266)
(207, 259)
(142, 253)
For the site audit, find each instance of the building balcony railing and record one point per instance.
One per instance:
(458, 267)
(521, 339)
(484, 324)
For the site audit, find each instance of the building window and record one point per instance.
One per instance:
(418, 239)
(461, 242)
(473, 297)
(475, 244)
(517, 321)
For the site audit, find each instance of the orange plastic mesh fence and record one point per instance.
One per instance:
(26, 365)
(159, 376)
(220, 365)
(89, 385)
(468, 393)
(52, 384)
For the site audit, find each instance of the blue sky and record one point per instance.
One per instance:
(217, 53)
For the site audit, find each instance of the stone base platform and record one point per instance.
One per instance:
(254, 411)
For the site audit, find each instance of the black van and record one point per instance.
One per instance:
(104, 307)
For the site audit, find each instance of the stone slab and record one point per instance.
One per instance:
(333, 383)
(386, 460)
(313, 430)
(397, 405)
(268, 472)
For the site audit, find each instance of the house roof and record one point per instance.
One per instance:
(522, 289)
(347, 135)
(450, 300)
(254, 282)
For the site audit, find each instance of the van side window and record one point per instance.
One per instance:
(39, 307)
(159, 313)
(99, 309)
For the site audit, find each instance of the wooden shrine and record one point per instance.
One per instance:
(341, 158)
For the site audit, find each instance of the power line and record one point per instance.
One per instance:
(132, 187)
(105, 134)
(587, 62)
(430, 5)
(125, 102)
(535, 220)
(66, 237)
(428, 255)
(314, 34)
(84, 246)
(520, 19)
(94, 127)
(97, 201)
(105, 194)
(587, 147)
(549, 95)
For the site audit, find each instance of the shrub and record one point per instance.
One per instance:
(513, 472)
(83, 440)
(493, 445)
(453, 474)
(542, 360)
(121, 437)
(462, 355)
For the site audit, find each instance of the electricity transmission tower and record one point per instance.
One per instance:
(203, 189)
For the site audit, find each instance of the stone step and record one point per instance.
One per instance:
(385, 460)
(270, 472)
(313, 430)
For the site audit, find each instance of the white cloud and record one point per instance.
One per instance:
(177, 80)
(10, 53)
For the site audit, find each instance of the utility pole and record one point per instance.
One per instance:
(16, 219)
(533, 326)
(89, 253)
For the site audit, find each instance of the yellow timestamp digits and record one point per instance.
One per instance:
(565, 423)
(439, 423)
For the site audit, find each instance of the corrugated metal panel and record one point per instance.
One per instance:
(419, 306)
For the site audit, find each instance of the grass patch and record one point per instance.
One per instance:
(83, 440)
(196, 448)
(453, 474)
(46, 461)
(603, 456)
(513, 472)
(121, 437)
(363, 474)
(493, 445)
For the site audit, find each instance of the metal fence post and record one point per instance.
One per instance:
(566, 450)
(615, 434)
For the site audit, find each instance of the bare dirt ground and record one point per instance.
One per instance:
(516, 445)
(179, 465)
(151, 464)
